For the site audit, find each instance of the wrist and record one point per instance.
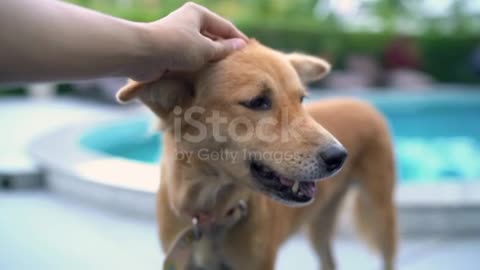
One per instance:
(148, 57)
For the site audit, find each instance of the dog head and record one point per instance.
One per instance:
(243, 117)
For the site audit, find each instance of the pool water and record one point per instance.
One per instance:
(131, 139)
(437, 135)
(447, 158)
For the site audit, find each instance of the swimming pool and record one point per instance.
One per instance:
(437, 134)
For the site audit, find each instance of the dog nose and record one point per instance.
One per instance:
(334, 157)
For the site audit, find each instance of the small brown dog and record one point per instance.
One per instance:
(237, 131)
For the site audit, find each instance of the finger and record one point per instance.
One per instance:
(210, 36)
(224, 47)
(218, 26)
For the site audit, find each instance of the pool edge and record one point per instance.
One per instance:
(421, 206)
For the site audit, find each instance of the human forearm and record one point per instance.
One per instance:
(47, 40)
(85, 43)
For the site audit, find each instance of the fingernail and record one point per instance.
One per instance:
(238, 43)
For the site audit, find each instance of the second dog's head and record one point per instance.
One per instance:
(243, 117)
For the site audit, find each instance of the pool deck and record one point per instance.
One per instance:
(42, 230)
(22, 119)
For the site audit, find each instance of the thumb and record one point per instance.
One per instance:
(224, 47)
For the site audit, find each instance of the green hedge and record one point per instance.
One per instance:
(11, 91)
(446, 58)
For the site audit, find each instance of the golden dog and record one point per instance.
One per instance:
(237, 130)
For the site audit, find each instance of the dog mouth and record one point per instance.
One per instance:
(282, 188)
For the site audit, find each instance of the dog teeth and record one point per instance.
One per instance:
(295, 186)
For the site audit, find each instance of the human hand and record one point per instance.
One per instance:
(186, 40)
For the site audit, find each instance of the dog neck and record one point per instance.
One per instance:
(194, 186)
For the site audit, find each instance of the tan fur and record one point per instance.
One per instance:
(188, 186)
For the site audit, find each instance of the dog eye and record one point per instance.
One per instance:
(302, 98)
(261, 103)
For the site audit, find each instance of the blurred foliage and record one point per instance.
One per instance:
(147, 10)
(294, 25)
(391, 14)
(446, 42)
(446, 58)
(5, 90)
(12, 91)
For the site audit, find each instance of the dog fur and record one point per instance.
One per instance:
(192, 185)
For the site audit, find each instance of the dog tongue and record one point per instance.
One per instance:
(286, 182)
(308, 190)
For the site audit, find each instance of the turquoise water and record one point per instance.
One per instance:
(437, 135)
(131, 139)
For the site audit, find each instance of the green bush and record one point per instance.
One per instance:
(11, 91)
(290, 25)
(446, 58)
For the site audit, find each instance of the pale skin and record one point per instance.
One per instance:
(47, 40)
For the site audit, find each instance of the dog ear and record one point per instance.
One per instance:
(309, 68)
(161, 96)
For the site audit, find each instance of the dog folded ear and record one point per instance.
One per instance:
(309, 68)
(161, 96)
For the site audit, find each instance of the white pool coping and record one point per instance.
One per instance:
(24, 118)
(145, 177)
(129, 185)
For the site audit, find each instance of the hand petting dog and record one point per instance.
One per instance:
(45, 40)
